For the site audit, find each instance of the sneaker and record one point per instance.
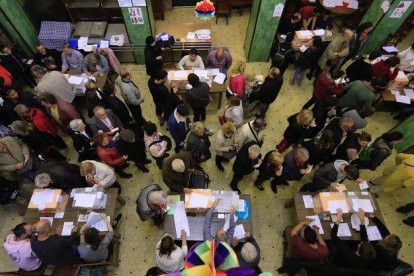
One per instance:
(273, 185)
(117, 221)
(406, 208)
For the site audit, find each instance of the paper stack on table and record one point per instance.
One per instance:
(395, 92)
(201, 73)
(84, 200)
(333, 205)
(343, 230)
(390, 49)
(75, 80)
(97, 221)
(308, 201)
(409, 93)
(180, 219)
(214, 71)
(363, 185)
(373, 233)
(317, 222)
(364, 204)
(198, 200)
(43, 197)
(191, 35)
(220, 78)
(319, 32)
(67, 228)
(402, 99)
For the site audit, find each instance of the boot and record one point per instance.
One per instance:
(121, 173)
(409, 221)
(273, 185)
(142, 168)
(218, 163)
(406, 208)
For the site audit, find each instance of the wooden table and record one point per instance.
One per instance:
(196, 223)
(302, 213)
(387, 96)
(72, 213)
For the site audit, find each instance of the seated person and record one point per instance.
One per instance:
(17, 246)
(331, 175)
(361, 68)
(359, 117)
(179, 125)
(105, 121)
(95, 64)
(190, 61)
(48, 58)
(152, 203)
(219, 58)
(311, 246)
(170, 257)
(344, 255)
(387, 69)
(133, 146)
(353, 144)
(158, 144)
(247, 251)
(221, 235)
(176, 171)
(82, 140)
(93, 247)
(99, 175)
(72, 59)
(271, 167)
(54, 249)
(59, 175)
(15, 157)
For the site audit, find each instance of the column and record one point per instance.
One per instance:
(387, 25)
(261, 30)
(138, 32)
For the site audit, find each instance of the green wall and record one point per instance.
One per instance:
(261, 30)
(386, 26)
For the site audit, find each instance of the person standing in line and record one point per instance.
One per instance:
(198, 97)
(269, 90)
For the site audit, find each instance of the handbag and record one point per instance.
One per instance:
(9, 190)
(198, 179)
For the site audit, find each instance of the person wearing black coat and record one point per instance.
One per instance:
(340, 128)
(271, 167)
(12, 61)
(320, 148)
(305, 61)
(323, 111)
(295, 166)
(82, 135)
(301, 125)
(269, 90)
(13, 96)
(198, 97)
(132, 144)
(62, 175)
(247, 260)
(153, 56)
(165, 101)
(352, 145)
(247, 160)
(48, 58)
(118, 107)
(198, 143)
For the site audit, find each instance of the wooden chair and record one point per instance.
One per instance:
(238, 4)
(223, 8)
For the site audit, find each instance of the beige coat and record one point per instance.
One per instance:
(17, 150)
(224, 144)
(104, 174)
(338, 45)
(246, 135)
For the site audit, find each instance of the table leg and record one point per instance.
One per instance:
(219, 100)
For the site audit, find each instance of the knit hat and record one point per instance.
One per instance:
(178, 165)
(127, 135)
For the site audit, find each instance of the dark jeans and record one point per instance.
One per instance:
(199, 113)
(263, 109)
(235, 180)
(136, 114)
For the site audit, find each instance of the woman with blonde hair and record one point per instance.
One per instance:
(198, 143)
(301, 125)
(237, 80)
(271, 167)
(226, 144)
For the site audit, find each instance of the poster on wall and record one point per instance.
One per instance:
(135, 14)
(400, 9)
(139, 3)
(277, 12)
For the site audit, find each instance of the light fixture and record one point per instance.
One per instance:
(205, 10)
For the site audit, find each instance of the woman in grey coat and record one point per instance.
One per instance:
(198, 143)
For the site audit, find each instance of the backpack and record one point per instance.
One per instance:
(9, 190)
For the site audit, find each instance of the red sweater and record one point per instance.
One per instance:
(41, 121)
(237, 85)
(325, 86)
(381, 69)
(8, 78)
(110, 156)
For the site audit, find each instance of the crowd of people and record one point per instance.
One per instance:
(326, 137)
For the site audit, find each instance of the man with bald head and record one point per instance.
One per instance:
(176, 171)
(221, 235)
(54, 249)
(336, 51)
(219, 58)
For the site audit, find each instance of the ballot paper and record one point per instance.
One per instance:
(215, 71)
(373, 233)
(59, 214)
(43, 197)
(220, 78)
(67, 228)
(364, 204)
(104, 44)
(283, 36)
(201, 73)
(356, 223)
(409, 93)
(75, 80)
(50, 219)
(97, 221)
(395, 92)
(240, 205)
(180, 219)
(303, 48)
(239, 232)
(198, 200)
(401, 75)
(88, 48)
(390, 49)
(84, 200)
(363, 185)
(343, 230)
(333, 205)
(82, 42)
(226, 225)
(308, 200)
(317, 222)
(191, 35)
(402, 99)
(319, 32)
(353, 4)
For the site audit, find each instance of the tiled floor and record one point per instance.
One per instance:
(269, 216)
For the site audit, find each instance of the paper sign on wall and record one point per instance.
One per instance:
(139, 3)
(124, 3)
(385, 6)
(400, 9)
(278, 10)
(135, 14)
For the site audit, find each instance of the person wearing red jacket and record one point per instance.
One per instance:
(6, 76)
(109, 154)
(41, 122)
(386, 68)
(327, 85)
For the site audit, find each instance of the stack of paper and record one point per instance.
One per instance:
(317, 222)
(402, 99)
(84, 200)
(319, 32)
(198, 200)
(43, 197)
(409, 93)
(333, 205)
(364, 204)
(343, 230)
(373, 233)
(239, 232)
(220, 78)
(180, 219)
(97, 221)
(191, 35)
(390, 49)
(67, 228)
(201, 73)
(75, 80)
(308, 201)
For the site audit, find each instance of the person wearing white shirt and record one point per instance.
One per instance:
(170, 258)
(407, 59)
(190, 61)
